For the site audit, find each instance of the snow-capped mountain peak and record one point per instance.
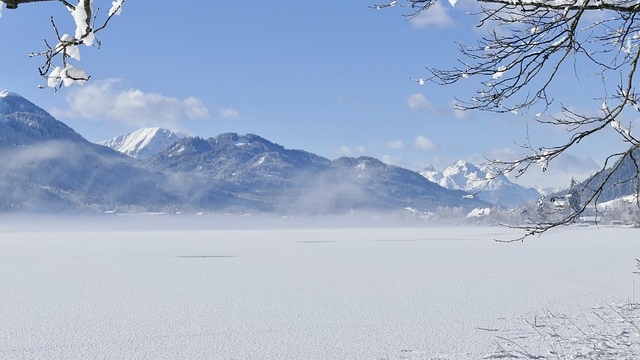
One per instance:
(5, 93)
(22, 123)
(463, 175)
(143, 143)
(11, 103)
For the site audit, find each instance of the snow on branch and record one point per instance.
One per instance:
(57, 68)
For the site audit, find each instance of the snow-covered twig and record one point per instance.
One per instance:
(57, 69)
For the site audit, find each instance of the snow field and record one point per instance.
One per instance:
(179, 288)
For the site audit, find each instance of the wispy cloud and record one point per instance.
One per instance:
(393, 160)
(345, 150)
(349, 101)
(560, 171)
(108, 101)
(457, 112)
(420, 102)
(437, 15)
(395, 145)
(423, 143)
(230, 113)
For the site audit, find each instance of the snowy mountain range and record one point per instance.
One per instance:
(47, 166)
(477, 180)
(295, 180)
(147, 142)
(143, 143)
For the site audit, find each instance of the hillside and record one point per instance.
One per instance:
(51, 168)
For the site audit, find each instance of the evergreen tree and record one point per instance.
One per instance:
(573, 196)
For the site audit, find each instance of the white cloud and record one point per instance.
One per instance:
(437, 15)
(230, 113)
(420, 102)
(457, 112)
(345, 150)
(560, 171)
(424, 143)
(501, 154)
(395, 144)
(107, 101)
(393, 160)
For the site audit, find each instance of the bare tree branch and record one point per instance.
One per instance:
(13, 4)
(516, 65)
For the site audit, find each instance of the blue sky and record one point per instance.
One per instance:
(330, 77)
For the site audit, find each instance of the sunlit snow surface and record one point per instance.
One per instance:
(159, 287)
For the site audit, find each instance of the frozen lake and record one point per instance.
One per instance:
(159, 287)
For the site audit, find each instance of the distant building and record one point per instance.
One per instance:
(479, 212)
(561, 203)
(590, 219)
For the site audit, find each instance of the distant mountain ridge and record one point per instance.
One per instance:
(23, 123)
(296, 179)
(498, 190)
(49, 167)
(143, 143)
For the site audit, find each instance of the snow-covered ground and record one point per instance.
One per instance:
(159, 287)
